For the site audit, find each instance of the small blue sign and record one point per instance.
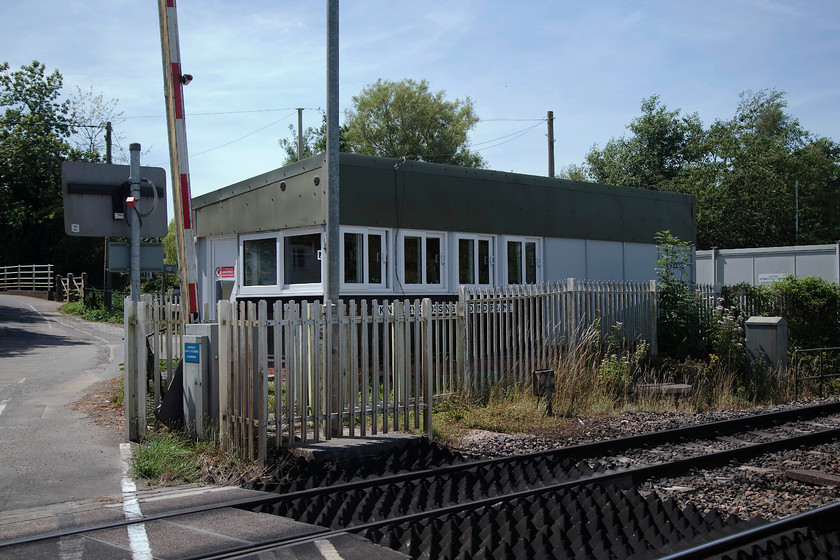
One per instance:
(191, 352)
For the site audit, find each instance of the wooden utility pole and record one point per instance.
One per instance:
(551, 144)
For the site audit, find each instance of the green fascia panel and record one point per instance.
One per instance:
(280, 199)
(427, 196)
(391, 193)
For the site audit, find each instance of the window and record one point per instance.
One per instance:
(277, 262)
(474, 260)
(422, 259)
(259, 261)
(364, 257)
(302, 259)
(523, 262)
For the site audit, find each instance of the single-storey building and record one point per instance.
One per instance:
(414, 229)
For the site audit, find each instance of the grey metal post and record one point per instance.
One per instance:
(134, 181)
(106, 271)
(331, 282)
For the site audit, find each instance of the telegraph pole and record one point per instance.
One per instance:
(300, 133)
(551, 144)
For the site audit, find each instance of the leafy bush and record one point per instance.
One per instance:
(811, 307)
(678, 326)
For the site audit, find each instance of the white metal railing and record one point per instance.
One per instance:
(26, 277)
(513, 330)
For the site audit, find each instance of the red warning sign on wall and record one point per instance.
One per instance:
(224, 272)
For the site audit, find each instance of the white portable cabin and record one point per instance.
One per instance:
(414, 229)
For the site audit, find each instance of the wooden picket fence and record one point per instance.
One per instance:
(154, 328)
(311, 372)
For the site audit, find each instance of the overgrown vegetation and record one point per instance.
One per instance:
(97, 314)
(701, 343)
(167, 457)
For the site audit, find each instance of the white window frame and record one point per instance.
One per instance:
(311, 288)
(268, 289)
(366, 285)
(523, 240)
(281, 287)
(491, 255)
(423, 286)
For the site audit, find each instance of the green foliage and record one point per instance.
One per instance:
(95, 314)
(743, 171)
(166, 457)
(620, 364)
(678, 326)
(37, 133)
(396, 119)
(811, 307)
(662, 144)
(170, 245)
(314, 141)
(726, 338)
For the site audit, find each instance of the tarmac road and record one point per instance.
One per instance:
(50, 454)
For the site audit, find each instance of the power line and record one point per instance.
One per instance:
(246, 136)
(515, 136)
(230, 112)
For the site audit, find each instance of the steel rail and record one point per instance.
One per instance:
(579, 451)
(602, 479)
(822, 516)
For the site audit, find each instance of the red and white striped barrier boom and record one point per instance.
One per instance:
(174, 82)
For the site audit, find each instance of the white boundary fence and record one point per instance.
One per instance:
(395, 357)
(26, 277)
(514, 330)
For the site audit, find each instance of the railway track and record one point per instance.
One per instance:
(575, 502)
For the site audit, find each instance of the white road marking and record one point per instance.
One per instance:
(50, 323)
(137, 538)
(327, 550)
(71, 548)
(3, 405)
(22, 379)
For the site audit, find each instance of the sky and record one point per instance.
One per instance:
(591, 63)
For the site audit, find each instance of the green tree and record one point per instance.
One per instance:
(405, 118)
(743, 171)
(746, 191)
(36, 129)
(662, 147)
(314, 141)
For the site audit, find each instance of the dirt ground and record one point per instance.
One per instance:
(98, 405)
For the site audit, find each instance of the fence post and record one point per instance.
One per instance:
(224, 313)
(653, 316)
(460, 339)
(262, 350)
(427, 367)
(135, 371)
